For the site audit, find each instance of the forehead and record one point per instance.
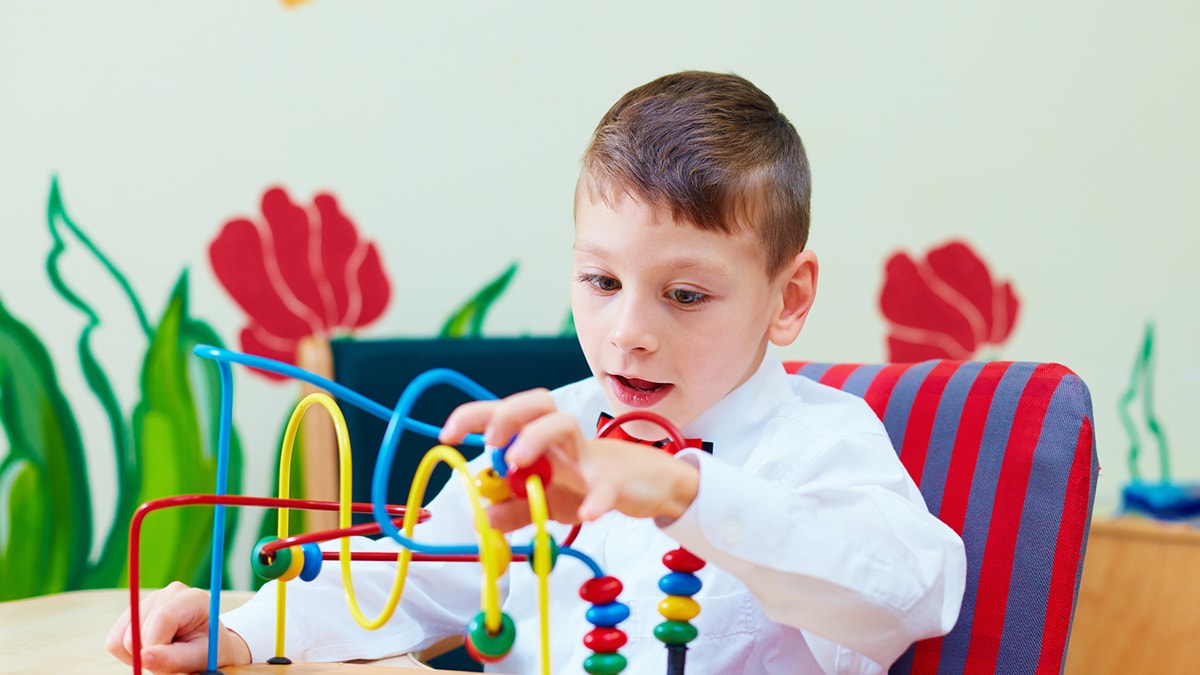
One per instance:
(628, 230)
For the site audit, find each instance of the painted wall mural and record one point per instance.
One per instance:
(295, 271)
(163, 445)
(298, 272)
(945, 306)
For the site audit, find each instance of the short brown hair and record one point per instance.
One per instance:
(715, 150)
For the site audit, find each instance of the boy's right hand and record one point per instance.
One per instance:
(175, 633)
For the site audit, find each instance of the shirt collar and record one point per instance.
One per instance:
(741, 413)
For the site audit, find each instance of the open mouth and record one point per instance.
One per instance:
(639, 385)
(638, 393)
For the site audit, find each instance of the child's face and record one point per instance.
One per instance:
(671, 318)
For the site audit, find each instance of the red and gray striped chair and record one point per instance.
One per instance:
(1005, 453)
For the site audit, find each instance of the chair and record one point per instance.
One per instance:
(1005, 453)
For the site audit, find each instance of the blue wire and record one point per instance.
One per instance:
(340, 391)
(218, 545)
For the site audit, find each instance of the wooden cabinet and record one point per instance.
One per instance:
(1138, 609)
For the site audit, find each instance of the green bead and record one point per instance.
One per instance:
(675, 632)
(270, 569)
(553, 553)
(604, 664)
(489, 645)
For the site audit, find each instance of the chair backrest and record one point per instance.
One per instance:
(381, 369)
(1004, 453)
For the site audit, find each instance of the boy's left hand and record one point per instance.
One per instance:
(590, 476)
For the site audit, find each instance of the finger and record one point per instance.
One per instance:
(558, 431)
(514, 413)
(178, 614)
(468, 418)
(115, 643)
(509, 516)
(601, 498)
(178, 657)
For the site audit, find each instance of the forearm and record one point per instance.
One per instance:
(863, 567)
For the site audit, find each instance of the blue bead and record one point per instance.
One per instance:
(499, 465)
(607, 615)
(312, 561)
(680, 583)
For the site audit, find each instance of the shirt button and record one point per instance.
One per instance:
(731, 532)
(630, 523)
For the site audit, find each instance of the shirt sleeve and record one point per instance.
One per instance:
(437, 599)
(834, 540)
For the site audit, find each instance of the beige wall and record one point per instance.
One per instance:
(1059, 139)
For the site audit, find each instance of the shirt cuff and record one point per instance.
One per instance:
(248, 623)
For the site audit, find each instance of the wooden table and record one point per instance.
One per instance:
(65, 632)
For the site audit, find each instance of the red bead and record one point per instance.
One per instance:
(605, 640)
(516, 477)
(600, 590)
(473, 653)
(681, 560)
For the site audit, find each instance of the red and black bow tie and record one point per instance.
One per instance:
(666, 443)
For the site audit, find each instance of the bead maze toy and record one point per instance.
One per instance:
(491, 634)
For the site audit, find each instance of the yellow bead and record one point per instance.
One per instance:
(494, 553)
(296, 565)
(678, 608)
(492, 486)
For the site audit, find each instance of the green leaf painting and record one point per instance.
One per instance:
(1141, 390)
(467, 321)
(164, 445)
(45, 527)
(176, 446)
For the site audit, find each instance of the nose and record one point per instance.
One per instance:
(633, 326)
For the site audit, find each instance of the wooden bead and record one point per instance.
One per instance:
(312, 561)
(296, 565)
(605, 639)
(604, 664)
(682, 560)
(516, 477)
(680, 583)
(492, 486)
(493, 646)
(273, 567)
(471, 651)
(600, 590)
(607, 615)
(499, 461)
(494, 553)
(678, 608)
(553, 554)
(675, 632)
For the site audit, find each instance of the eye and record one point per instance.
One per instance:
(600, 282)
(686, 297)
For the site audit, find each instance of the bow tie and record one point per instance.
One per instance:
(666, 443)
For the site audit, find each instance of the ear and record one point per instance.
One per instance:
(796, 287)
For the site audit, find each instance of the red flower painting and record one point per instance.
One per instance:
(944, 307)
(298, 271)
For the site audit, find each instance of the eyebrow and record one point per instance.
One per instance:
(680, 263)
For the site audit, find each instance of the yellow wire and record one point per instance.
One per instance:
(539, 513)
(285, 485)
(487, 555)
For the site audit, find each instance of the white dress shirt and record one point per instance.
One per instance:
(822, 556)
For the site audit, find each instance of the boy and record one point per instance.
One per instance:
(691, 218)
